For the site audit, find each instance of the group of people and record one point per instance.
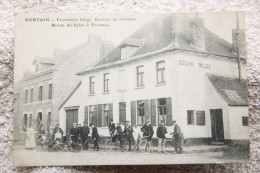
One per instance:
(79, 135)
(120, 131)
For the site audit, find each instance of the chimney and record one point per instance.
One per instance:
(238, 41)
(197, 33)
(106, 47)
(94, 38)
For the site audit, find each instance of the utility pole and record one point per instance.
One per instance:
(237, 45)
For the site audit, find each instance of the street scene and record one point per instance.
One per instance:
(120, 89)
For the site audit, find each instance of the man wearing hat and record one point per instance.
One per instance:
(111, 127)
(177, 134)
(161, 132)
(147, 130)
(85, 132)
(128, 134)
(95, 136)
(73, 132)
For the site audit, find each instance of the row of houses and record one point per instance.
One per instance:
(173, 68)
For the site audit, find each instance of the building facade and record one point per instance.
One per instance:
(173, 68)
(40, 94)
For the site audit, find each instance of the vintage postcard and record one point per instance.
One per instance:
(130, 89)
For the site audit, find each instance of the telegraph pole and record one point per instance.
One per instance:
(237, 45)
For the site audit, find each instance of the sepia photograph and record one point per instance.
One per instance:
(130, 89)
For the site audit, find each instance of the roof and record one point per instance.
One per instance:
(169, 32)
(44, 60)
(233, 91)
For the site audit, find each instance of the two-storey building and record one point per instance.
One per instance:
(173, 68)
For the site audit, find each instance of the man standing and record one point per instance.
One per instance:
(161, 132)
(147, 130)
(95, 136)
(73, 132)
(118, 135)
(79, 131)
(177, 134)
(128, 134)
(85, 132)
(111, 127)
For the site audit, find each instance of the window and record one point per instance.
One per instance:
(245, 121)
(49, 121)
(91, 114)
(24, 122)
(106, 80)
(162, 110)
(160, 66)
(50, 92)
(106, 115)
(91, 85)
(140, 112)
(190, 117)
(31, 96)
(40, 93)
(122, 112)
(39, 120)
(30, 120)
(200, 118)
(123, 53)
(140, 76)
(26, 97)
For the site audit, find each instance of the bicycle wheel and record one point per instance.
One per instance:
(187, 142)
(102, 143)
(145, 146)
(125, 144)
(108, 145)
(88, 143)
(169, 143)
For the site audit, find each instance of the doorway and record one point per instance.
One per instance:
(217, 127)
(71, 117)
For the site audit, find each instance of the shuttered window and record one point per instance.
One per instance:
(106, 116)
(91, 114)
(190, 117)
(140, 112)
(200, 118)
(133, 113)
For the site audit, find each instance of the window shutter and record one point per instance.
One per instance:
(146, 110)
(133, 113)
(110, 112)
(95, 115)
(99, 120)
(153, 111)
(168, 111)
(86, 115)
(200, 118)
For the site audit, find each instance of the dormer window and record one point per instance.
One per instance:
(129, 47)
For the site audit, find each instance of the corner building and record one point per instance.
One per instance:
(173, 68)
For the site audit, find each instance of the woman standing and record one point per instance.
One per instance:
(137, 136)
(30, 138)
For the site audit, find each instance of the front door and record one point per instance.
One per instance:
(71, 117)
(217, 127)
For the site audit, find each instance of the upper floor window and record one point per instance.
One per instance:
(26, 96)
(160, 68)
(31, 96)
(140, 76)
(91, 85)
(50, 92)
(106, 82)
(40, 93)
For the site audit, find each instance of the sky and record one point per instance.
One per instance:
(40, 39)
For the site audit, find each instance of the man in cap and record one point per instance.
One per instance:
(73, 132)
(147, 130)
(161, 132)
(95, 136)
(111, 127)
(128, 133)
(177, 134)
(85, 132)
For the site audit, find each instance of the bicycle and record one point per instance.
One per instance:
(145, 145)
(170, 143)
(110, 145)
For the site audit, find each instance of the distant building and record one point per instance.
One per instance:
(173, 68)
(39, 95)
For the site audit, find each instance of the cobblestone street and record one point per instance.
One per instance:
(194, 154)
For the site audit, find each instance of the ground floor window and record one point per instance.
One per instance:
(140, 112)
(245, 121)
(161, 110)
(200, 118)
(49, 121)
(106, 115)
(91, 114)
(39, 120)
(24, 122)
(30, 119)
(190, 117)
